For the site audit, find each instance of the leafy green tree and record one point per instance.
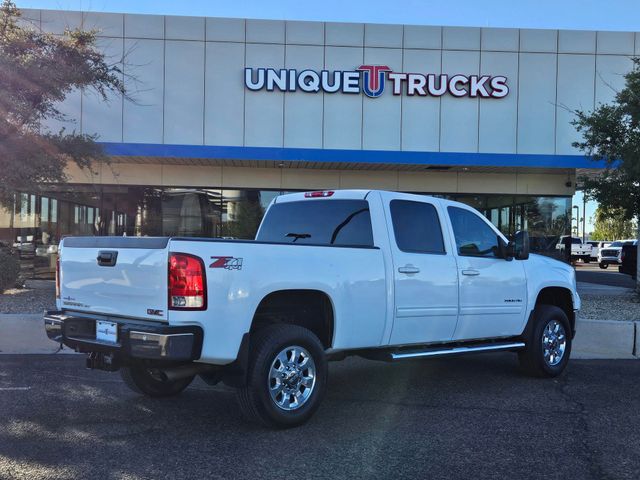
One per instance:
(611, 133)
(611, 224)
(37, 71)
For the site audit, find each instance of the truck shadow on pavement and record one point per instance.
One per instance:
(426, 418)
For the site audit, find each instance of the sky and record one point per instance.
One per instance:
(622, 15)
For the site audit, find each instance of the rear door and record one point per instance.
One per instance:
(493, 290)
(425, 273)
(115, 276)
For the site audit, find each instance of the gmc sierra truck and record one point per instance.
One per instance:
(579, 250)
(386, 276)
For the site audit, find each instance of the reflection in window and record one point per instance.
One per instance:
(416, 227)
(319, 222)
(242, 212)
(191, 212)
(36, 223)
(545, 218)
(473, 236)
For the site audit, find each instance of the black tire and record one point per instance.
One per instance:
(603, 265)
(255, 399)
(586, 260)
(532, 358)
(140, 380)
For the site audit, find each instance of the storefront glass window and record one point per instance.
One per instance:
(36, 223)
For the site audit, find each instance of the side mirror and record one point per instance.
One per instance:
(520, 245)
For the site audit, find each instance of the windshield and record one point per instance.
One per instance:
(616, 244)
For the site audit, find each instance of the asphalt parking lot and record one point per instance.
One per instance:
(472, 417)
(592, 273)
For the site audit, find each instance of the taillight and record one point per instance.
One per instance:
(319, 194)
(58, 277)
(187, 282)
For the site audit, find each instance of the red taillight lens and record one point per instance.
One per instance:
(187, 282)
(58, 277)
(321, 194)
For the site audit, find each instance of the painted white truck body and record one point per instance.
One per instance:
(579, 250)
(611, 254)
(381, 296)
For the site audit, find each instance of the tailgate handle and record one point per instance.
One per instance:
(107, 259)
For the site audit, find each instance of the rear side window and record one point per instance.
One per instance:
(416, 227)
(319, 222)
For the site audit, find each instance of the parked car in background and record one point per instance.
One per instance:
(596, 246)
(611, 254)
(579, 250)
(629, 259)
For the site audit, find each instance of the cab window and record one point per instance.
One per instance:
(473, 236)
(344, 223)
(416, 227)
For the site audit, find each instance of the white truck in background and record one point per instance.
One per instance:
(596, 246)
(383, 275)
(579, 250)
(612, 254)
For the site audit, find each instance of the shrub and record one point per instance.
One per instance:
(9, 271)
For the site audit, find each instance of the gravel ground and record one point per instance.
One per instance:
(38, 295)
(610, 307)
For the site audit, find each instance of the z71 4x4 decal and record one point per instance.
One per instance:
(228, 263)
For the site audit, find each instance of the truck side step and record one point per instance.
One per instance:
(458, 350)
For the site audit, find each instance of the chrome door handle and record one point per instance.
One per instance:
(470, 272)
(408, 269)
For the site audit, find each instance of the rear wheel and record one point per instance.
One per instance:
(549, 344)
(141, 380)
(603, 265)
(287, 376)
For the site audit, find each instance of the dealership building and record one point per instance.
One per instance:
(225, 114)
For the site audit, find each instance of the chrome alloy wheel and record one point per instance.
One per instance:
(292, 377)
(554, 343)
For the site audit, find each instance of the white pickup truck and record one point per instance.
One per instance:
(579, 250)
(387, 276)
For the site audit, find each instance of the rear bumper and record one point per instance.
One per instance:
(136, 339)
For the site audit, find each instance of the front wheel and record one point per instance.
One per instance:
(141, 380)
(287, 376)
(549, 343)
(603, 265)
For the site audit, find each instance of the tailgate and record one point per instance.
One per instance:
(123, 276)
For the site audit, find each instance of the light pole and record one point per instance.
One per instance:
(584, 217)
(577, 209)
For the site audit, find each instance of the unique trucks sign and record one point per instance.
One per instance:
(371, 79)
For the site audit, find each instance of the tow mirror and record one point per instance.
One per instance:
(520, 245)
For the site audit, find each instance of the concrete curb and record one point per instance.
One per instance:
(605, 339)
(24, 334)
(595, 339)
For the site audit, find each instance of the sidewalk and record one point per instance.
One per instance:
(595, 339)
(25, 334)
(585, 288)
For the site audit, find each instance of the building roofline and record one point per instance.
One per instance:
(389, 157)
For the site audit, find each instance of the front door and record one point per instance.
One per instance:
(493, 290)
(425, 274)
